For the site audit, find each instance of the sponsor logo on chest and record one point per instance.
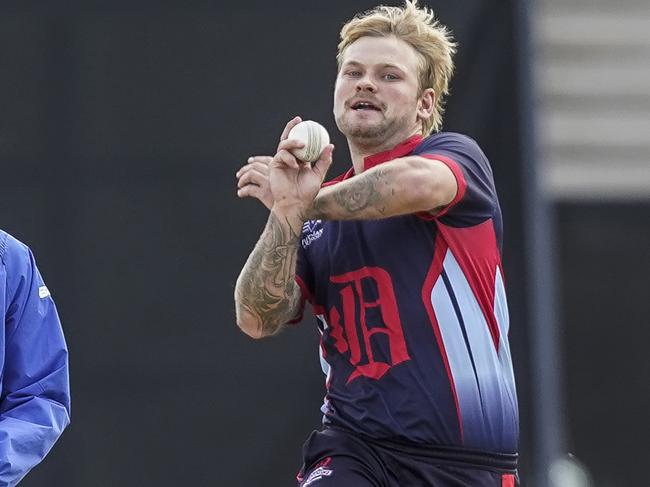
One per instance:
(312, 230)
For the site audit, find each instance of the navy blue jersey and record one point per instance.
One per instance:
(413, 315)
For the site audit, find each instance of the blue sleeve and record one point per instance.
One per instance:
(476, 199)
(35, 397)
(304, 280)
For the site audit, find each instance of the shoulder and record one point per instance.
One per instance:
(12, 251)
(456, 149)
(447, 141)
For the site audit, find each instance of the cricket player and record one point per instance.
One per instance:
(400, 259)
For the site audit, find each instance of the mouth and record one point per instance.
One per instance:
(365, 105)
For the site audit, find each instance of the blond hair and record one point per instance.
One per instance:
(430, 39)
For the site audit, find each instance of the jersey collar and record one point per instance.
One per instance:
(400, 150)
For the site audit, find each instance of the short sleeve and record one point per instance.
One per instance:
(476, 199)
(304, 278)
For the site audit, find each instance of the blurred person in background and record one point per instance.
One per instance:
(34, 384)
(400, 259)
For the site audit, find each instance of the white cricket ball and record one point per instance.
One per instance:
(315, 138)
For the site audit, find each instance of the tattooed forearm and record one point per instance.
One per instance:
(364, 196)
(266, 290)
(362, 193)
(403, 186)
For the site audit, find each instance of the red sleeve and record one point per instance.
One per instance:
(460, 181)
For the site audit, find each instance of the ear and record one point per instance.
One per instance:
(426, 104)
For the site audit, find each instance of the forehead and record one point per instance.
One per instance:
(370, 51)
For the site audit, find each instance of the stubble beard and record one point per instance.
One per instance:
(367, 134)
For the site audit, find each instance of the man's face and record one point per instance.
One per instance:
(376, 94)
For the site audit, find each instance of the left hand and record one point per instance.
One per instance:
(294, 184)
(253, 180)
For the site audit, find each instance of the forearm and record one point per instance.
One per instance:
(266, 293)
(398, 187)
(27, 433)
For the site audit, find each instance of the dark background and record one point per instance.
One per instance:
(122, 125)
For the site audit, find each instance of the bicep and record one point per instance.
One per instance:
(434, 180)
(475, 199)
(296, 306)
(36, 360)
(258, 323)
(290, 312)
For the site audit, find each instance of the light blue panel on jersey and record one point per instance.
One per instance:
(501, 312)
(325, 367)
(486, 397)
(460, 363)
(503, 319)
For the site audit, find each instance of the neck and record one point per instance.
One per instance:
(362, 148)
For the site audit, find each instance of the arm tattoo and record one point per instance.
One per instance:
(365, 193)
(266, 287)
(399, 187)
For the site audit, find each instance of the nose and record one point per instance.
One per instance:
(365, 84)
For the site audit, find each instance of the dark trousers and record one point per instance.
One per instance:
(336, 458)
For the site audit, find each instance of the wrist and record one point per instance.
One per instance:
(316, 210)
(292, 215)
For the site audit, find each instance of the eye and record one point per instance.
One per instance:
(353, 74)
(390, 77)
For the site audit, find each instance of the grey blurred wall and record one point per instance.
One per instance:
(604, 256)
(592, 65)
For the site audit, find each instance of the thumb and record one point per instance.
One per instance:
(322, 165)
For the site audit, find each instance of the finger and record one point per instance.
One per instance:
(261, 159)
(262, 167)
(290, 144)
(292, 123)
(253, 177)
(286, 158)
(250, 190)
(322, 165)
(257, 166)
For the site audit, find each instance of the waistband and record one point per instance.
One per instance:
(442, 454)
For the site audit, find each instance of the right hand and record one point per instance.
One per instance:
(294, 183)
(253, 180)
